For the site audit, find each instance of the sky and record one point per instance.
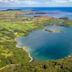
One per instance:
(35, 3)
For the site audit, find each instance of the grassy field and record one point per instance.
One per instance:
(13, 59)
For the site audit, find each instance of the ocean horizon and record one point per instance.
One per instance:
(66, 9)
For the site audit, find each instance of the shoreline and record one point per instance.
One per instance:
(25, 49)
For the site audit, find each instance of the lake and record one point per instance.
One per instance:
(44, 45)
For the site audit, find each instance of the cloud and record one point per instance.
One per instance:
(5, 1)
(36, 2)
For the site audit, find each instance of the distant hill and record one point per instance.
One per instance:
(11, 10)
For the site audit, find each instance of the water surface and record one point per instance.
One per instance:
(44, 45)
(54, 13)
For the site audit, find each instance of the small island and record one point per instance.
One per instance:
(56, 30)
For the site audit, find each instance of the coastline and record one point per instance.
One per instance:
(25, 49)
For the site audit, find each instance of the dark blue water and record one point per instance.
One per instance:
(45, 45)
(64, 9)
